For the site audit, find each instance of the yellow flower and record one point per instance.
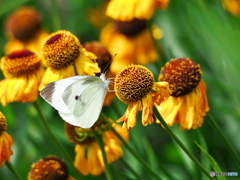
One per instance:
(131, 42)
(6, 142)
(126, 10)
(232, 6)
(49, 168)
(64, 57)
(135, 86)
(188, 102)
(23, 71)
(88, 158)
(23, 28)
(104, 59)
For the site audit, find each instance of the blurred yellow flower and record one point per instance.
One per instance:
(49, 168)
(126, 10)
(23, 72)
(131, 42)
(88, 158)
(64, 56)
(135, 86)
(23, 29)
(187, 103)
(6, 141)
(232, 6)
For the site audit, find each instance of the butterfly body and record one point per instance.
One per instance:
(78, 99)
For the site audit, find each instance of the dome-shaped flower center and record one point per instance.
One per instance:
(133, 83)
(21, 62)
(61, 49)
(23, 24)
(182, 74)
(130, 28)
(47, 168)
(3, 124)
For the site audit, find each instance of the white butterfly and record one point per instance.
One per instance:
(78, 99)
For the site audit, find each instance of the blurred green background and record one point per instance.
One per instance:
(199, 29)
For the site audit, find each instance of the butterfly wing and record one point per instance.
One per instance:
(78, 99)
(73, 91)
(88, 104)
(52, 93)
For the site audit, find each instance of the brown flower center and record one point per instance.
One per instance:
(21, 62)
(133, 83)
(130, 28)
(61, 49)
(182, 74)
(23, 24)
(47, 168)
(103, 56)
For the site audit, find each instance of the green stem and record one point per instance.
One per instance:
(13, 170)
(215, 126)
(179, 142)
(68, 158)
(130, 168)
(101, 144)
(55, 16)
(130, 149)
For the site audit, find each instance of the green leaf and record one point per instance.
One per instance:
(204, 159)
(212, 161)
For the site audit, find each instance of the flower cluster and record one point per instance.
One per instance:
(179, 95)
(127, 44)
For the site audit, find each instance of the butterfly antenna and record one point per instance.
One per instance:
(108, 64)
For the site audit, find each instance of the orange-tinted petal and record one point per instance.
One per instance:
(6, 142)
(187, 110)
(147, 113)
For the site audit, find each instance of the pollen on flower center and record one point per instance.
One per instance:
(182, 74)
(61, 49)
(20, 62)
(133, 83)
(50, 167)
